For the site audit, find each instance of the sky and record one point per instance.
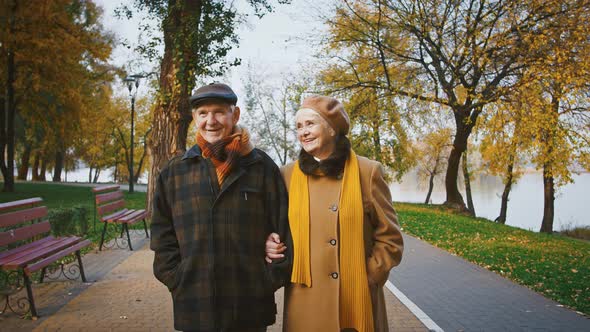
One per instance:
(276, 45)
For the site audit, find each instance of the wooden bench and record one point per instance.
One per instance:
(110, 207)
(26, 249)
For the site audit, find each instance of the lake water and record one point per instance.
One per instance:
(525, 205)
(525, 208)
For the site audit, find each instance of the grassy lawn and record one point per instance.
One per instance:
(553, 265)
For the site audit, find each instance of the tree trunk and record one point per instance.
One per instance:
(96, 175)
(35, 171)
(470, 205)
(3, 138)
(42, 175)
(377, 142)
(90, 174)
(549, 200)
(285, 131)
(507, 187)
(172, 114)
(430, 187)
(142, 159)
(115, 172)
(23, 169)
(548, 137)
(454, 198)
(7, 166)
(59, 162)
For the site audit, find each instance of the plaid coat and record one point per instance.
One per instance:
(209, 241)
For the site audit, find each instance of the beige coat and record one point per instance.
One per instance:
(317, 308)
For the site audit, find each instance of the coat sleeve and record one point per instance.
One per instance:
(388, 243)
(163, 237)
(280, 269)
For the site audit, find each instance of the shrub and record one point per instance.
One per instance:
(69, 221)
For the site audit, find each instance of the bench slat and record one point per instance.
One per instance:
(24, 247)
(18, 217)
(110, 207)
(19, 203)
(48, 260)
(115, 216)
(102, 189)
(112, 196)
(38, 246)
(42, 253)
(133, 217)
(24, 232)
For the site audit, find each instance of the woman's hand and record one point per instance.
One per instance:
(274, 247)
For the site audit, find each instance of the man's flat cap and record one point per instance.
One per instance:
(214, 91)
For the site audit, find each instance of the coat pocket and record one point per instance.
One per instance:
(177, 274)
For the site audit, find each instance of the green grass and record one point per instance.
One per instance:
(553, 265)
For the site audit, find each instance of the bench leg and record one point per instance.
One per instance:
(30, 294)
(81, 266)
(146, 231)
(126, 226)
(104, 230)
(42, 276)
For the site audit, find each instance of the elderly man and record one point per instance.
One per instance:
(213, 209)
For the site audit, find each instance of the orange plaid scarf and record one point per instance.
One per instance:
(225, 153)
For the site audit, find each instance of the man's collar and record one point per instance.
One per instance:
(193, 152)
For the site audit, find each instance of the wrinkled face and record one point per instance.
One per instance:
(315, 134)
(216, 120)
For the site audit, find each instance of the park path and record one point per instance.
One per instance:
(123, 295)
(460, 296)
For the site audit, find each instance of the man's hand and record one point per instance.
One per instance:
(274, 247)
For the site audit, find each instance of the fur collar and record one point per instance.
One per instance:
(332, 166)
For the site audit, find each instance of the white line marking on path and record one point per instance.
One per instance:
(427, 321)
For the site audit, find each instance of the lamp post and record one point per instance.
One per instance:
(132, 81)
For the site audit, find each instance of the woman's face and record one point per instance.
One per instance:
(315, 134)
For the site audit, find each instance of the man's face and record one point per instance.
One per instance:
(216, 120)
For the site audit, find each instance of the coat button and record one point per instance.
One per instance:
(333, 242)
(334, 207)
(334, 275)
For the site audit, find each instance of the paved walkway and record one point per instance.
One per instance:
(443, 291)
(460, 296)
(128, 298)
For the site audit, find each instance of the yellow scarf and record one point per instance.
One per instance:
(355, 300)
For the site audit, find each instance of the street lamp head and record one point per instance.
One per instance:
(129, 81)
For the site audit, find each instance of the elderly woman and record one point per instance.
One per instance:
(345, 232)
